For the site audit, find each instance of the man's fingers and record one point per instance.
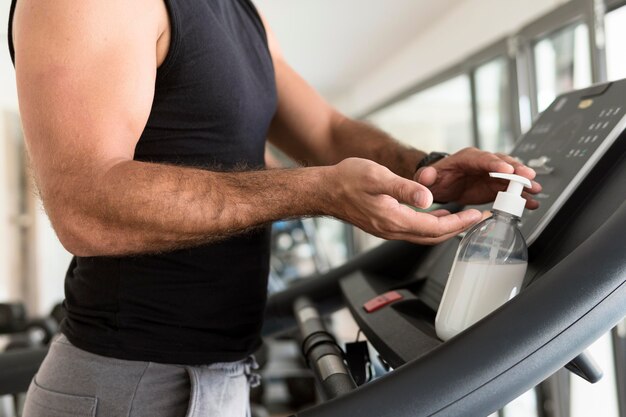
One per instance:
(519, 168)
(468, 219)
(439, 213)
(435, 227)
(437, 240)
(531, 203)
(535, 188)
(426, 176)
(429, 228)
(480, 161)
(496, 162)
(409, 192)
(458, 222)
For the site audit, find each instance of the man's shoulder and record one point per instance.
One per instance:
(87, 17)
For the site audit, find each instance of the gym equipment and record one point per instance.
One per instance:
(574, 289)
(13, 317)
(26, 348)
(58, 313)
(18, 368)
(25, 332)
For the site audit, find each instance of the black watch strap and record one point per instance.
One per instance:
(431, 158)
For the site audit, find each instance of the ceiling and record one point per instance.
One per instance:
(333, 43)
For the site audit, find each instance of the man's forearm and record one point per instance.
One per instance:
(138, 207)
(355, 138)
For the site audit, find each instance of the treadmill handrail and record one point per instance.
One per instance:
(529, 338)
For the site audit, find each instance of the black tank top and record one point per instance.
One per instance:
(214, 99)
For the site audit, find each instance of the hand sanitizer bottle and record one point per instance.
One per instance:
(490, 264)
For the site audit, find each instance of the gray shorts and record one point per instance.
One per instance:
(75, 383)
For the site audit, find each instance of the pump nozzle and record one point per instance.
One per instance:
(510, 200)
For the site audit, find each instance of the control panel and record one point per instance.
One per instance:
(566, 142)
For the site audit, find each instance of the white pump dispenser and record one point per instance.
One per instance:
(510, 200)
(490, 263)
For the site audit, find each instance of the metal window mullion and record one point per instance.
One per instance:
(563, 16)
(531, 77)
(514, 88)
(474, 109)
(594, 17)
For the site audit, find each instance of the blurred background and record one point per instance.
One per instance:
(439, 75)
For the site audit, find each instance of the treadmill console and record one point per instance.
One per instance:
(565, 144)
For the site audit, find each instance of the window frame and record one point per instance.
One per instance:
(504, 48)
(589, 12)
(610, 6)
(467, 67)
(517, 48)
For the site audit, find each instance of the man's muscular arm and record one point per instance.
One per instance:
(86, 73)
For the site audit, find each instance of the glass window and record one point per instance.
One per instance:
(615, 29)
(303, 247)
(436, 119)
(562, 63)
(523, 406)
(493, 104)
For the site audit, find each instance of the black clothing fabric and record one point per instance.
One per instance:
(214, 99)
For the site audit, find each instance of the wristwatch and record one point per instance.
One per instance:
(430, 159)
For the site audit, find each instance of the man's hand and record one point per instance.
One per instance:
(376, 200)
(463, 177)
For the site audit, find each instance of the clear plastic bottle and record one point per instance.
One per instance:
(490, 264)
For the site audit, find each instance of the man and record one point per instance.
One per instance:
(146, 123)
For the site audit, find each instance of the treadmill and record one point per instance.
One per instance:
(574, 289)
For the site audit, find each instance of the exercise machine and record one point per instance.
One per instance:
(574, 290)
